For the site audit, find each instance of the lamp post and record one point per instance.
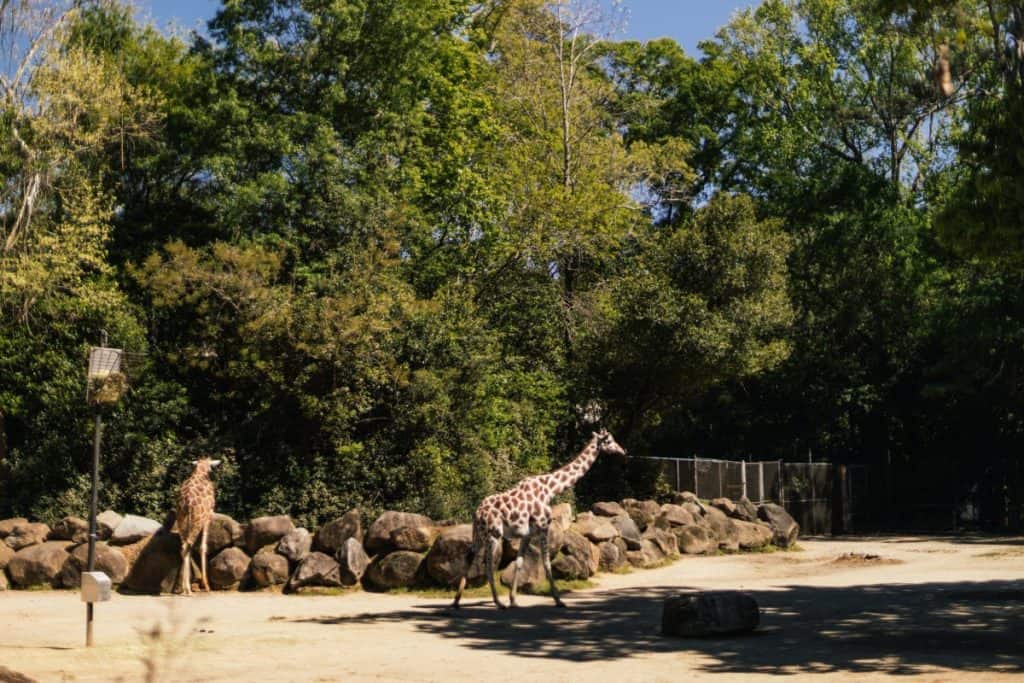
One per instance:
(105, 385)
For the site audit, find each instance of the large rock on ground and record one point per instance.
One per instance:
(6, 554)
(608, 509)
(613, 555)
(224, 532)
(7, 525)
(228, 569)
(695, 539)
(317, 569)
(596, 529)
(725, 505)
(784, 528)
(724, 528)
(109, 560)
(417, 539)
(649, 555)
(24, 535)
(745, 510)
(683, 497)
(39, 564)
(378, 536)
(106, 522)
(628, 530)
(643, 512)
(70, 529)
(296, 544)
(582, 552)
(332, 536)
(666, 541)
(394, 570)
(753, 535)
(561, 516)
(446, 561)
(352, 562)
(134, 528)
(266, 530)
(268, 569)
(4, 585)
(674, 515)
(710, 613)
(153, 564)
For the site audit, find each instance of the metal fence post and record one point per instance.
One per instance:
(678, 480)
(743, 478)
(696, 462)
(760, 482)
(721, 480)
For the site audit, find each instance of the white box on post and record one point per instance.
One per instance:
(95, 587)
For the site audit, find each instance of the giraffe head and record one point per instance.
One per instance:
(606, 444)
(205, 465)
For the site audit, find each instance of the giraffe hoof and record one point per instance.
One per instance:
(513, 605)
(561, 604)
(501, 605)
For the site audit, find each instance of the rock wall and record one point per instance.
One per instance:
(399, 549)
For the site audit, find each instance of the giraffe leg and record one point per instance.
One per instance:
(547, 567)
(523, 543)
(186, 566)
(489, 564)
(470, 557)
(202, 558)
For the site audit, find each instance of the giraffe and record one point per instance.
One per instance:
(524, 512)
(195, 508)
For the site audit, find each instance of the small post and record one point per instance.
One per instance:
(91, 562)
(695, 468)
(679, 481)
(743, 477)
(760, 481)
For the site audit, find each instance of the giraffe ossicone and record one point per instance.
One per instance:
(524, 512)
(196, 501)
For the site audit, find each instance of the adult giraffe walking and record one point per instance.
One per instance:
(196, 500)
(524, 512)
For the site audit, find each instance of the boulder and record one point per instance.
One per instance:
(332, 536)
(9, 676)
(70, 529)
(296, 544)
(394, 570)
(378, 536)
(352, 562)
(134, 528)
(577, 546)
(709, 613)
(684, 497)
(725, 505)
(446, 561)
(628, 530)
(674, 515)
(561, 516)
(696, 510)
(24, 535)
(4, 585)
(597, 529)
(784, 528)
(7, 525)
(263, 531)
(745, 510)
(643, 512)
(569, 568)
(665, 540)
(531, 575)
(649, 555)
(39, 564)
(611, 509)
(613, 556)
(418, 539)
(753, 535)
(724, 529)
(109, 560)
(153, 564)
(228, 569)
(268, 569)
(224, 532)
(316, 569)
(6, 553)
(695, 540)
(106, 522)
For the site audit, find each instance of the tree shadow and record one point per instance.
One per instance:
(897, 629)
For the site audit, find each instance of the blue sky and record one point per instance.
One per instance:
(688, 21)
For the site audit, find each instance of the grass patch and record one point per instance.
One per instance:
(326, 590)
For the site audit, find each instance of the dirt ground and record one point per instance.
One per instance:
(856, 609)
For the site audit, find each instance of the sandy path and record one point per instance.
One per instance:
(943, 610)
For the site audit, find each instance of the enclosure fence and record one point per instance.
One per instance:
(805, 489)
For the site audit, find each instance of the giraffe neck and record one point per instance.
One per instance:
(566, 476)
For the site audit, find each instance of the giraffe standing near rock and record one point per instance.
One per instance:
(524, 512)
(195, 509)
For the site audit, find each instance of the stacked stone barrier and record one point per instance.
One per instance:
(397, 550)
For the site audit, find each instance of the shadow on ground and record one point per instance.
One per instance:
(896, 629)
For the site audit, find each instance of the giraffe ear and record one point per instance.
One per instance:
(214, 463)
(594, 434)
(195, 462)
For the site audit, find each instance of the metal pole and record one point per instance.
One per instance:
(760, 482)
(678, 480)
(91, 562)
(695, 468)
(743, 477)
